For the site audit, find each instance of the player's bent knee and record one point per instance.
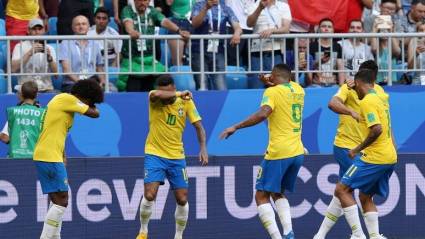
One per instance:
(365, 199)
(150, 196)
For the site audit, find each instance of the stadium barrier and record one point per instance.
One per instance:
(387, 67)
(123, 126)
(105, 196)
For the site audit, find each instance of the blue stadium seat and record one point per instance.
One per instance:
(3, 83)
(113, 77)
(109, 6)
(236, 78)
(52, 26)
(183, 81)
(3, 60)
(57, 82)
(113, 24)
(2, 33)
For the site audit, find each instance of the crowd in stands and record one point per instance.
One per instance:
(331, 60)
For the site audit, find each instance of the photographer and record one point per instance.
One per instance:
(35, 57)
(380, 48)
(416, 56)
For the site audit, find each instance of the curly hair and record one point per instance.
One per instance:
(88, 90)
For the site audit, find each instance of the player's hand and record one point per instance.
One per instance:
(350, 83)
(203, 156)
(266, 80)
(227, 132)
(352, 153)
(355, 115)
(186, 95)
(306, 151)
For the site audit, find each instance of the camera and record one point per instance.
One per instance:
(42, 43)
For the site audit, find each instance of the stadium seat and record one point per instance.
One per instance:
(52, 26)
(113, 77)
(57, 82)
(3, 83)
(183, 81)
(2, 33)
(108, 5)
(3, 60)
(236, 78)
(112, 24)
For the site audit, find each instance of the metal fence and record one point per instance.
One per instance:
(403, 39)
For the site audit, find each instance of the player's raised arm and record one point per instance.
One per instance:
(167, 95)
(337, 105)
(89, 93)
(258, 117)
(200, 132)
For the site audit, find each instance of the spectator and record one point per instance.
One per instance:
(328, 57)
(355, 10)
(267, 17)
(305, 61)
(23, 136)
(139, 22)
(180, 15)
(118, 6)
(35, 57)
(210, 17)
(388, 8)
(18, 15)
(48, 8)
(416, 56)
(241, 10)
(101, 28)
(80, 59)
(414, 16)
(354, 51)
(380, 49)
(68, 10)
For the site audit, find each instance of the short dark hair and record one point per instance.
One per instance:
(370, 65)
(390, 1)
(102, 10)
(29, 90)
(326, 19)
(89, 90)
(283, 70)
(416, 2)
(365, 75)
(164, 80)
(357, 20)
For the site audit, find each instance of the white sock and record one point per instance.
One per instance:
(267, 217)
(372, 223)
(145, 214)
(352, 215)
(58, 232)
(333, 212)
(181, 215)
(52, 221)
(284, 212)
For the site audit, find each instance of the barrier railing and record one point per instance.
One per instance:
(383, 52)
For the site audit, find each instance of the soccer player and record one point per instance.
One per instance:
(282, 105)
(24, 122)
(49, 152)
(371, 170)
(164, 153)
(346, 104)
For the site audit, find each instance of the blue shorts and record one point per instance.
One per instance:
(158, 168)
(276, 176)
(183, 24)
(344, 161)
(53, 177)
(369, 178)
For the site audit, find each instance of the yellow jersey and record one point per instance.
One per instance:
(348, 134)
(373, 111)
(287, 102)
(166, 126)
(58, 120)
(22, 9)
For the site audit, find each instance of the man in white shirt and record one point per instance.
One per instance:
(267, 17)
(101, 28)
(354, 52)
(241, 9)
(35, 57)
